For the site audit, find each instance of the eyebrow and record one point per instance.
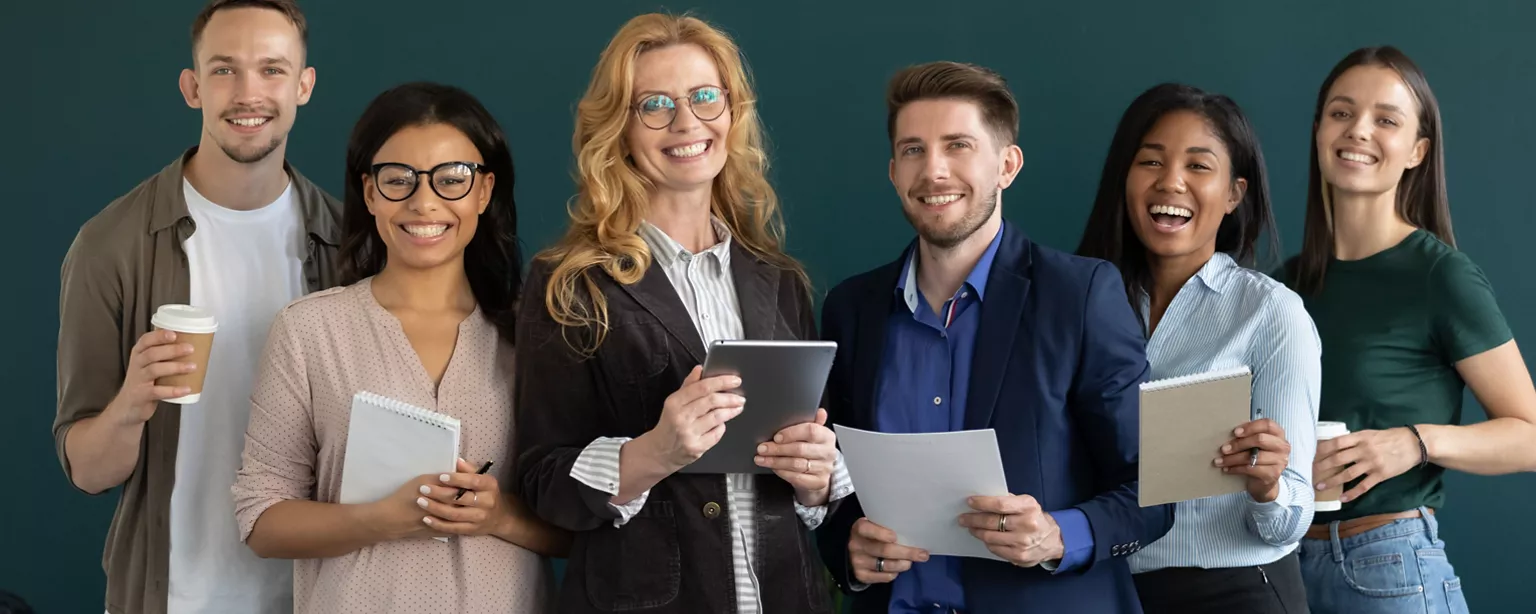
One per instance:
(1193, 150)
(267, 61)
(954, 136)
(1380, 105)
(643, 94)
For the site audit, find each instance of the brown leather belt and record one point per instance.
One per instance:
(1356, 526)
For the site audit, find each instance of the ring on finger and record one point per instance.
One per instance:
(807, 465)
(879, 564)
(1002, 523)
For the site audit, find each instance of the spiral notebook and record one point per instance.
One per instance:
(390, 442)
(1184, 422)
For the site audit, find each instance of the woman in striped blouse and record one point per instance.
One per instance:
(1181, 206)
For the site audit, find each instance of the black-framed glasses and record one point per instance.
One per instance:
(657, 111)
(450, 180)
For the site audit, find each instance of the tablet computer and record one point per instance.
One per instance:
(782, 382)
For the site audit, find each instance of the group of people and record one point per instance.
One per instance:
(581, 383)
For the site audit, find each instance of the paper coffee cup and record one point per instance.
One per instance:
(193, 325)
(1328, 500)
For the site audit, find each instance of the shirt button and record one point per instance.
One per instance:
(937, 400)
(706, 316)
(711, 510)
(964, 294)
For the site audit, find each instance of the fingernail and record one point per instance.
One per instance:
(426, 490)
(1238, 432)
(1226, 449)
(757, 459)
(735, 381)
(443, 477)
(183, 391)
(1217, 462)
(421, 501)
(427, 519)
(762, 449)
(170, 335)
(923, 557)
(778, 439)
(1344, 499)
(1223, 469)
(1322, 487)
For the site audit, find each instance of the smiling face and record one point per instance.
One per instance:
(249, 81)
(1180, 187)
(426, 230)
(948, 169)
(1368, 133)
(686, 154)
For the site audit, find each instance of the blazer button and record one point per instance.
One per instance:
(711, 510)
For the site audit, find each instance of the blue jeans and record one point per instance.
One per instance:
(1395, 569)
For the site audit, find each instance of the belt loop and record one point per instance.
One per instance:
(1430, 524)
(1334, 545)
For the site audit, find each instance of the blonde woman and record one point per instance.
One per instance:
(674, 243)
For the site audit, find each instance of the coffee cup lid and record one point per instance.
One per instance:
(185, 318)
(1332, 429)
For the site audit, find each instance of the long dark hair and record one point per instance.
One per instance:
(493, 259)
(1421, 197)
(1109, 235)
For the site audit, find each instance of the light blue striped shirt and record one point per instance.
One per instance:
(1229, 316)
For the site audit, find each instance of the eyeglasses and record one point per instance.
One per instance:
(450, 180)
(658, 111)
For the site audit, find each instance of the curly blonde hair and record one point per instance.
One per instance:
(613, 197)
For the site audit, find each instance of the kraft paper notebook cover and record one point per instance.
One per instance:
(390, 442)
(1184, 422)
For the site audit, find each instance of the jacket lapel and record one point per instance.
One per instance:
(1001, 313)
(656, 294)
(873, 317)
(757, 291)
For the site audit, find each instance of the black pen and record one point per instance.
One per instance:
(483, 468)
(1253, 459)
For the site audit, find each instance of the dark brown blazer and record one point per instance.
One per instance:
(675, 555)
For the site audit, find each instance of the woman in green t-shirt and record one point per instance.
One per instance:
(1407, 322)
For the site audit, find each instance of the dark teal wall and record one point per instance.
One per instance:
(93, 109)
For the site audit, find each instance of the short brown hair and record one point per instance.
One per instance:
(969, 82)
(288, 8)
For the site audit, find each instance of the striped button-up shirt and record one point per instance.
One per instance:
(706, 287)
(1227, 316)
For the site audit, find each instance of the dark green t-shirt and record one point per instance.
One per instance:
(1393, 326)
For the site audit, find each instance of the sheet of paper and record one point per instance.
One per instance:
(1184, 423)
(917, 484)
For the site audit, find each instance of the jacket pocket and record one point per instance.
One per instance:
(636, 566)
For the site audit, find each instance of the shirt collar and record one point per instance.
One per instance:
(906, 285)
(1217, 272)
(667, 251)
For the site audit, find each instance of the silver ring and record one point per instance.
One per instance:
(807, 465)
(1253, 460)
(1002, 523)
(879, 564)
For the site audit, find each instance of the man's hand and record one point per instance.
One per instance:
(1015, 528)
(874, 555)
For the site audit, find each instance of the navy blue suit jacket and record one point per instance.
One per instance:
(1058, 364)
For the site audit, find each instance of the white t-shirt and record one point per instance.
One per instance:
(245, 266)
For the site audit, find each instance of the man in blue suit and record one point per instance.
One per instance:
(977, 327)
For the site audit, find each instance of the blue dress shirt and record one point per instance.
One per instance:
(924, 376)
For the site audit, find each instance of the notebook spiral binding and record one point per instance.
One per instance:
(407, 410)
(1195, 378)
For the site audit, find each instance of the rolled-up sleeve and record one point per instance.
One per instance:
(278, 463)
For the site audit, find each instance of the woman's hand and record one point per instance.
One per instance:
(803, 455)
(693, 419)
(482, 510)
(1262, 469)
(1377, 455)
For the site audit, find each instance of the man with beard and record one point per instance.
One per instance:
(228, 227)
(977, 327)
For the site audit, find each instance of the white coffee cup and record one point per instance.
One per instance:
(195, 326)
(1328, 500)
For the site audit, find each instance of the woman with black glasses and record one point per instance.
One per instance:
(430, 252)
